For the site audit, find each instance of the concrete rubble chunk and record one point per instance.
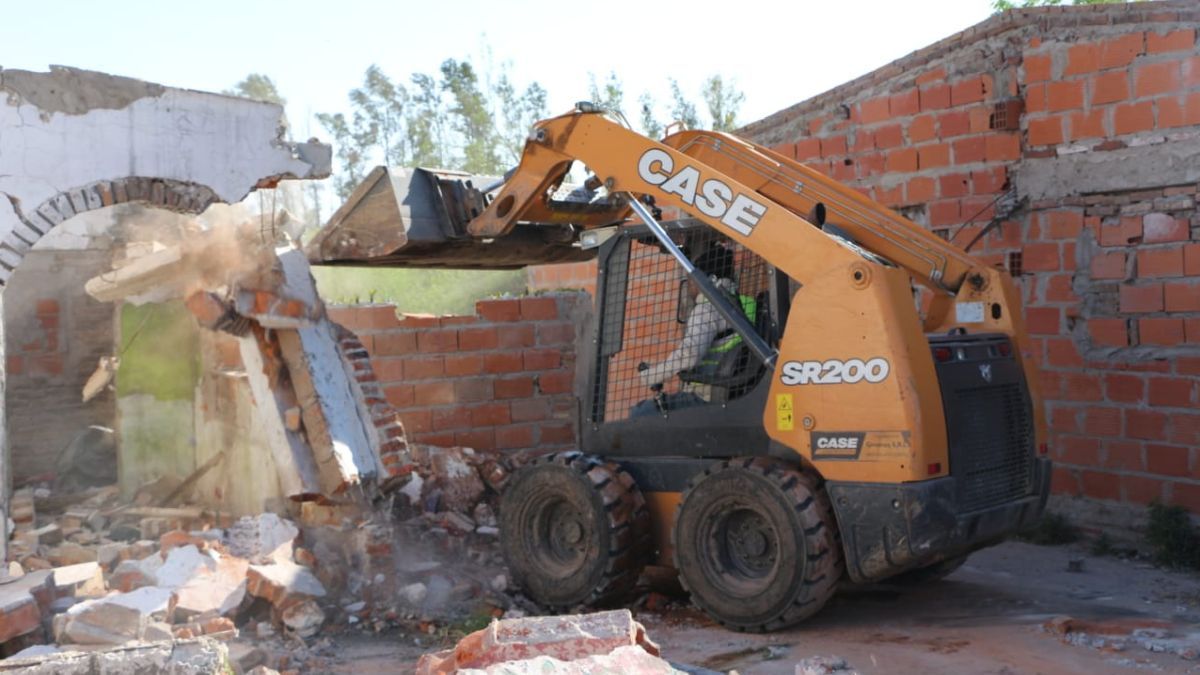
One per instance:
(100, 623)
(218, 592)
(283, 583)
(453, 474)
(303, 618)
(262, 539)
(181, 565)
(131, 574)
(178, 567)
(561, 638)
(20, 607)
(85, 580)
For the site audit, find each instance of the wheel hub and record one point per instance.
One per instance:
(560, 536)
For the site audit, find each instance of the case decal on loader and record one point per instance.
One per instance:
(711, 197)
(835, 371)
(865, 445)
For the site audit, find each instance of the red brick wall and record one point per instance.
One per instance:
(1109, 261)
(504, 378)
(576, 276)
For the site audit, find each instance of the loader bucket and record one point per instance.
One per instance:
(418, 218)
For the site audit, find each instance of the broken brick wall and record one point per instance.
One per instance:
(1093, 115)
(56, 335)
(502, 379)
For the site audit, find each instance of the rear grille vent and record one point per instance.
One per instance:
(991, 445)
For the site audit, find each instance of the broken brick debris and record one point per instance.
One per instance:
(542, 644)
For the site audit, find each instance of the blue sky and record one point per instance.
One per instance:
(779, 53)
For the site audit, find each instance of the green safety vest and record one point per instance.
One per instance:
(726, 341)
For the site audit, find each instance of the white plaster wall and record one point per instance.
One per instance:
(225, 143)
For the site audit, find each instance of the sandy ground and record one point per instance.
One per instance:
(987, 617)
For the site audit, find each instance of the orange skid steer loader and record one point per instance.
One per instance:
(789, 386)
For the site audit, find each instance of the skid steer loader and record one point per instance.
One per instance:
(865, 408)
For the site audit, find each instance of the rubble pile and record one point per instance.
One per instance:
(114, 576)
(95, 573)
(427, 557)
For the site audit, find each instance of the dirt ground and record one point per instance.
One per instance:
(988, 617)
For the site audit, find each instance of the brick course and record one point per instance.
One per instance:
(503, 379)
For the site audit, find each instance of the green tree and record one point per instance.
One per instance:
(723, 101)
(471, 118)
(426, 123)
(518, 113)
(352, 141)
(1001, 5)
(611, 96)
(650, 124)
(382, 104)
(258, 87)
(683, 110)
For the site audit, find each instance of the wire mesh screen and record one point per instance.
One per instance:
(656, 329)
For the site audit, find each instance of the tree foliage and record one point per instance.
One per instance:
(477, 121)
(258, 87)
(723, 102)
(457, 118)
(611, 96)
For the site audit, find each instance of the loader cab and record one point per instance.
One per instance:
(713, 408)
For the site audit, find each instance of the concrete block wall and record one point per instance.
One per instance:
(504, 378)
(1092, 115)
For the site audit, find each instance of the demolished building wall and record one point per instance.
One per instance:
(75, 141)
(1088, 119)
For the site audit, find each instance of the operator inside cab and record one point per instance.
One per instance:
(707, 337)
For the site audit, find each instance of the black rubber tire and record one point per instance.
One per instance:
(930, 573)
(755, 544)
(574, 530)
